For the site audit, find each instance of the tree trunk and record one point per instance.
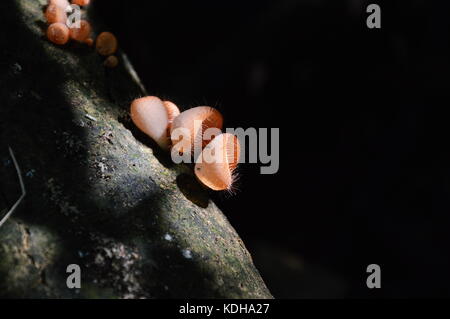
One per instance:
(99, 193)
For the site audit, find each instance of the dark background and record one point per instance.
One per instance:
(364, 162)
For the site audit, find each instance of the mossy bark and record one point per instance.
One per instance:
(99, 193)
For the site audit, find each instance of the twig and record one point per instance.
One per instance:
(22, 186)
(90, 117)
(129, 67)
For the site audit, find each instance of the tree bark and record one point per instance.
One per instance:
(99, 193)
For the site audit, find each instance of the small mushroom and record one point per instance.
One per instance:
(63, 4)
(111, 62)
(106, 44)
(54, 14)
(172, 110)
(196, 120)
(58, 33)
(82, 33)
(216, 165)
(150, 115)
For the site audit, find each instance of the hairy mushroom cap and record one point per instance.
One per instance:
(150, 115)
(172, 111)
(55, 14)
(215, 166)
(82, 33)
(106, 44)
(58, 33)
(196, 120)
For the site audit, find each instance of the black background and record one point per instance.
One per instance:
(364, 153)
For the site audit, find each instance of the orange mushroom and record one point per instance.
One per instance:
(216, 165)
(172, 110)
(111, 62)
(106, 44)
(196, 120)
(63, 4)
(54, 14)
(58, 33)
(150, 115)
(82, 33)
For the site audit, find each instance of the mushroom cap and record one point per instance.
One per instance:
(58, 33)
(218, 160)
(63, 4)
(150, 116)
(82, 33)
(111, 61)
(55, 14)
(172, 110)
(106, 43)
(206, 116)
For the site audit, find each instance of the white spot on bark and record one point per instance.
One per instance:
(187, 253)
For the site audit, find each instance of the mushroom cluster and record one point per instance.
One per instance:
(60, 33)
(162, 121)
(218, 155)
